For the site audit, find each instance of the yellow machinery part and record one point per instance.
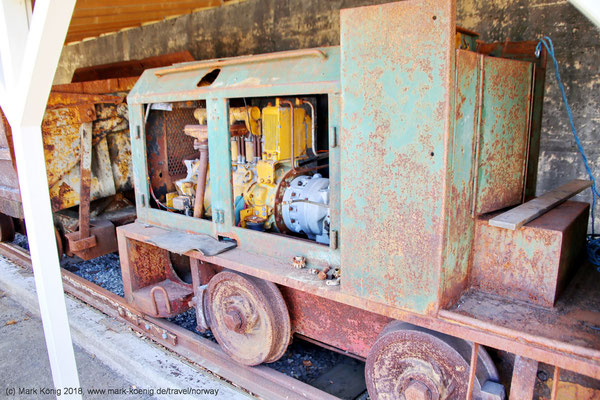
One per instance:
(250, 115)
(277, 132)
(260, 196)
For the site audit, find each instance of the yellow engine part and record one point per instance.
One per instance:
(250, 115)
(242, 176)
(277, 125)
(260, 196)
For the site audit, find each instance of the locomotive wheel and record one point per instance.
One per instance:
(412, 363)
(7, 228)
(248, 317)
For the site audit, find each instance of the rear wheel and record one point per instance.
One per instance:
(412, 363)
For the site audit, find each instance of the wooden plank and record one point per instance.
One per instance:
(108, 9)
(137, 16)
(93, 17)
(529, 211)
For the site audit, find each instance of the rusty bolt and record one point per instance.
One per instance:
(299, 262)
(90, 112)
(417, 391)
(233, 319)
(323, 274)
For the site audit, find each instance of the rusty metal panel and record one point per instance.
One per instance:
(64, 193)
(396, 77)
(124, 69)
(119, 148)
(10, 195)
(111, 160)
(345, 327)
(307, 71)
(503, 134)
(534, 262)
(525, 51)
(460, 225)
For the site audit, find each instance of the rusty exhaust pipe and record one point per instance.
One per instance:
(201, 185)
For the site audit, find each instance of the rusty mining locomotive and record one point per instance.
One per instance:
(376, 198)
(367, 197)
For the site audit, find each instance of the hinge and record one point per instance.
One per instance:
(333, 239)
(219, 216)
(334, 137)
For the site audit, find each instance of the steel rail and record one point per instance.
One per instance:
(260, 381)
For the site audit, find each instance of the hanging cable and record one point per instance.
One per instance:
(593, 240)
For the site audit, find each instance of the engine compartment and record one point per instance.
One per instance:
(279, 157)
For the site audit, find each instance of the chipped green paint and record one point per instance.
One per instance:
(284, 77)
(403, 148)
(292, 76)
(460, 225)
(397, 62)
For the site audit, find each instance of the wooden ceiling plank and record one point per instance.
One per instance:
(127, 9)
(134, 18)
(96, 17)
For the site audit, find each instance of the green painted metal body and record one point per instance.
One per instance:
(284, 77)
(416, 135)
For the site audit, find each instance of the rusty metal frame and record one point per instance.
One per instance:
(261, 380)
(565, 355)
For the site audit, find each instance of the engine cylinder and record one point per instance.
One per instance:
(306, 207)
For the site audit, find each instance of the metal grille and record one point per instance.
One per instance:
(179, 145)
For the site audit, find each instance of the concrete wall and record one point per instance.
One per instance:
(261, 26)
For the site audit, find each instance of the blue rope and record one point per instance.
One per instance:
(593, 242)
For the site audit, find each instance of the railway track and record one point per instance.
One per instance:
(261, 381)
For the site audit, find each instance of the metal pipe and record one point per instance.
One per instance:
(472, 370)
(256, 147)
(201, 185)
(555, 383)
(241, 150)
(292, 156)
(313, 116)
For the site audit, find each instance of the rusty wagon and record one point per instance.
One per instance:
(88, 199)
(377, 198)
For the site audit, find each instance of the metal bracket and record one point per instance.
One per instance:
(150, 329)
(198, 302)
(333, 239)
(219, 216)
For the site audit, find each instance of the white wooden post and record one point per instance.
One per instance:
(589, 8)
(30, 56)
